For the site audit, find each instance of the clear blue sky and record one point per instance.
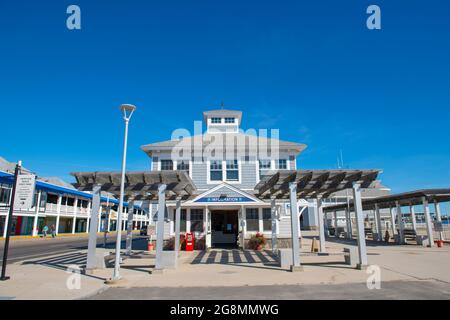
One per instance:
(310, 68)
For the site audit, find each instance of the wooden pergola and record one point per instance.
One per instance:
(283, 184)
(139, 185)
(313, 183)
(411, 198)
(419, 197)
(143, 185)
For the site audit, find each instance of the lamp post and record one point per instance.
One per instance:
(3, 277)
(127, 110)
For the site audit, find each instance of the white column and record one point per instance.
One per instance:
(294, 229)
(243, 227)
(36, 215)
(177, 226)
(378, 222)
(348, 217)
(188, 220)
(58, 213)
(362, 250)
(89, 213)
(208, 237)
(426, 211)
(391, 209)
(160, 226)
(273, 209)
(413, 217)
(99, 215)
(108, 218)
(7, 215)
(335, 224)
(92, 242)
(75, 211)
(321, 225)
(260, 220)
(129, 237)
(400, 223)
(437, 208)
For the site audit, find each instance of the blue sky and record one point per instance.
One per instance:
(310, 68)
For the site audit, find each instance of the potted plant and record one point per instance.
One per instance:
(257, 241)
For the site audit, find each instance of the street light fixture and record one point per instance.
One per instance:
(127, 110)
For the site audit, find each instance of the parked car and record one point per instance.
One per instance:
(143, 231)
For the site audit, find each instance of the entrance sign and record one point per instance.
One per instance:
(225, 199)
(25, 191)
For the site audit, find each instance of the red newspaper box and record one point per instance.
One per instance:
(189, 241)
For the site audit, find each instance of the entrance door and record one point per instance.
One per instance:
(224, 227)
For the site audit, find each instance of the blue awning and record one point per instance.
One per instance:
(7, 178)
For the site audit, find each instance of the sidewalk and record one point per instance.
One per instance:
(47, 278)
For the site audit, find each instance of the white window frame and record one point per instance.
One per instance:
(278, 164)
(160, 164)
(185, 162)
(224, 172)
(209, 172)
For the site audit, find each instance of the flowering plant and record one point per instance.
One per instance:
(257, 241)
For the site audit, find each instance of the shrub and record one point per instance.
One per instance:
(257, 240)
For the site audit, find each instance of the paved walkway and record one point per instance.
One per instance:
(406, 272)
(390, 290)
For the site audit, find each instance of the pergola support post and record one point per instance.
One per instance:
(336, 234)
(91, 263)
(348, 218)
(362, 250)
(160, 226)
(294, 229)
(273, 212)
(177, 227)
(321, 225)
(129, 238)
(391, 210)
(437, 209)
(378, 223)
(413, 217)
(426, 211)
(401, 238)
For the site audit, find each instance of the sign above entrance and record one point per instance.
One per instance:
(225, 199)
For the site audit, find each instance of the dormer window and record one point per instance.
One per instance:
(229, 120)
(216, 120)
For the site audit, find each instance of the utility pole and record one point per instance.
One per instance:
(10, 218)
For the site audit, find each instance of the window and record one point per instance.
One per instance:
(183, 165)
(267, 219)
(232, 170)
(264, 166)
(197, 220)
(216, 120)
(166, 165)
(182, 220)
(282, 164)
(229, 120)
(216, 170)
(251, 215)
(4, 195)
